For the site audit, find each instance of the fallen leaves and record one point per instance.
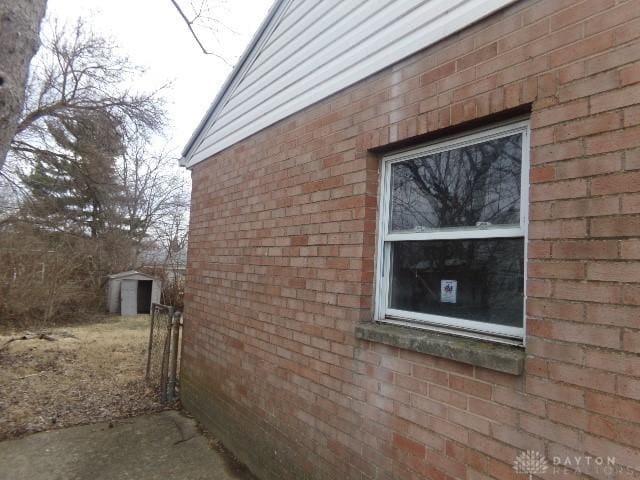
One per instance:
(84, 374)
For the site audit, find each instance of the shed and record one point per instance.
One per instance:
(132, 292)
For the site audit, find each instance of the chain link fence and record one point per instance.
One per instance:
(163, 356)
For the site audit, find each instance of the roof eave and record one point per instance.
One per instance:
(184, 160)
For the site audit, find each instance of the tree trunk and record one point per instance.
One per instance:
(19, 40)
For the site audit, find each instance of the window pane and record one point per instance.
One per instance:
(480, 280)
(459, 187)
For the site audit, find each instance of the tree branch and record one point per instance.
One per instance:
(195, 36)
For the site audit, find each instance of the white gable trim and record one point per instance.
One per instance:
(344, 43)
(258, 39)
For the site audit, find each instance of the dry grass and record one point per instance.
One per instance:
(90, 373)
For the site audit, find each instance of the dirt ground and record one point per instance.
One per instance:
(89, 373)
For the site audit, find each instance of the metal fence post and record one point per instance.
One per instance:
(173, 363)
(165, 359)
(153, 315)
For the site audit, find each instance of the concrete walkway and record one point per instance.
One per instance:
(163, 446)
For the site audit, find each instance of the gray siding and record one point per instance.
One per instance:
(312, 49)
(113, 296)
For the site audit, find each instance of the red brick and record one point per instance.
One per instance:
(553, 350)
(586, 167)
(545, 173)
(567, 270)
(558, 229)
(576, 417)
(472, 387)
(624, 226)
(431, 375)
(539, 249)
(594, 249)
(581, 49)
(589, 126)
(283, 241)
(613, 406)
(587, 207)
(555, 309)
(632, 160)
(614, 271)
(589, 86)
(552, 191)
(551, 430)
(624, 316)
(613, 58)
(622, 97)
(579, 12)
(631, 116)
(630, 249)
(492, 448)
(557, 152)
(571, 72)
(574, 332)
(524, 35)
(630, 203)
(396, 365)
(588, 292)
(630, 74)
(627, 32)
(480, 55)
(616, 183)
(544, 9)
(611, 17)
(584, 377)
(616, 430)
(631, 294)
(493, 411)
(448, 397)
(627, 456)
(430, 406)
(469, 421)
(612, 361)
(437, 73)
(560, 113)
(554, 41)
(555, 391)
(408, 445)
(628, 387)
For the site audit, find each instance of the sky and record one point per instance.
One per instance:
(154, 36)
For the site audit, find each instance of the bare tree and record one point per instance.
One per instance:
(19, 30)
(77, 73)
(172, 236)
(153, 193)
(91, 191)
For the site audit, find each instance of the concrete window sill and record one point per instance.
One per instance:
(502, 358)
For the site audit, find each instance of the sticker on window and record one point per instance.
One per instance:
(448, 291)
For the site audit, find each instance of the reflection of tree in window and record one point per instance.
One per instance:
(459, 187)
(464, 187)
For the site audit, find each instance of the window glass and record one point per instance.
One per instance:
(478, 280)
(453, 234)
(469, 186)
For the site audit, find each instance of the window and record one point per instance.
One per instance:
(452, 234)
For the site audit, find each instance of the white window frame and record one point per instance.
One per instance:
(459, 326)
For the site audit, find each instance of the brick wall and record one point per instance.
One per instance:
(281, 265)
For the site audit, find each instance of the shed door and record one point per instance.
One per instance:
(129, 297)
